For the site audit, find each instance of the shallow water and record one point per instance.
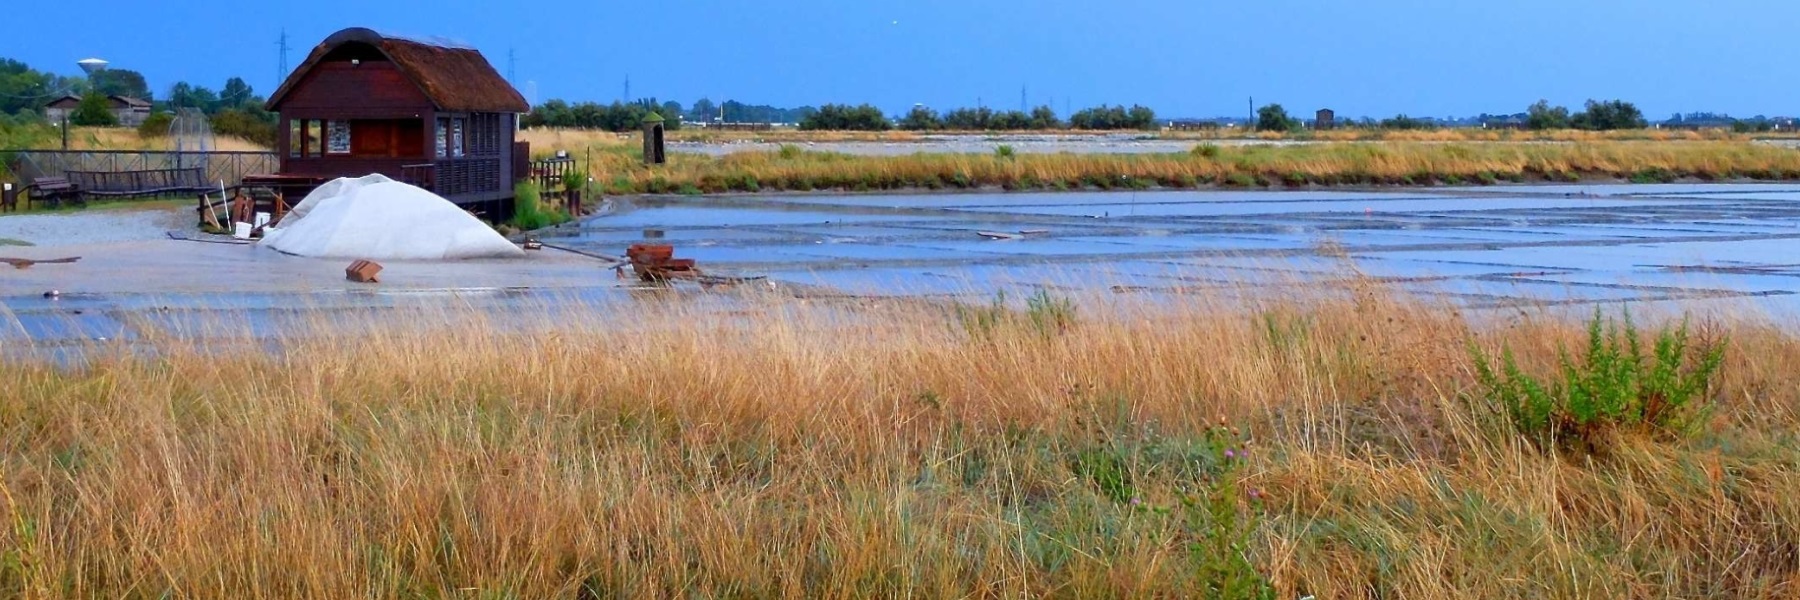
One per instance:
(1675, 245)
(1592, 237)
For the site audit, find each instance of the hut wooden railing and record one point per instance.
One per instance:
(548, 173)
(460, 176)
(453, 177)
(421, 175)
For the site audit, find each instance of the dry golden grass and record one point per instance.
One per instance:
(120, 138)
(780, 451)
(619, 170)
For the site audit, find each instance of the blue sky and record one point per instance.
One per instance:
(1181, 57)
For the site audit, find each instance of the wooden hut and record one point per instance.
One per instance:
(430, 113)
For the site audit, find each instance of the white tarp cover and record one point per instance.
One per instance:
(377, 218)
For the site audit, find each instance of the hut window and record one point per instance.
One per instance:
(315, 138)
(296, 143)
(337, 139)
(443, 138)
(457, 148)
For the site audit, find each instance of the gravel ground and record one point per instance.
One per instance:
(100, 227)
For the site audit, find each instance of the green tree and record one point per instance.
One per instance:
(23, 89)
(1044, 117)
(846, 118)
(237, 93)
(1404, 122)
(969, 119)
(1012, 120)
(1275, 118)
(185, 95)
(703, 110)
(1102, 118)
(122, 82)
(94, 111)
(921, 119)
(256, 127)
(1542, 116)
(1140, 117)
(1609, 115)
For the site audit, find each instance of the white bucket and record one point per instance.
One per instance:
(242, 231)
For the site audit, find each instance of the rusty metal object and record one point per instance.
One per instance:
(26, 263)
(363, 271)
(657, 262)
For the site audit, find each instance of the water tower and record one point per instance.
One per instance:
(92, 66)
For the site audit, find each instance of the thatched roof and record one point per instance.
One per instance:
(455, 78)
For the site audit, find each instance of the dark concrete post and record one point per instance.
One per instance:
(653, 140)
(9, 196)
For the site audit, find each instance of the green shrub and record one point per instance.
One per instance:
(1049, 314)
(93, 111)
(790, 152)
(1003, 151)
(156, 125)
(528, 210)
(1614, 386)
(1207, 151)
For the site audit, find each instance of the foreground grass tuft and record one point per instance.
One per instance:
(1197, 447)
(1614, 386)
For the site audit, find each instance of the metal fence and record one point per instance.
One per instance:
(227, 166)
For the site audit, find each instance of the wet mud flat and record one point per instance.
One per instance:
(1675, 246)
(1481, 247)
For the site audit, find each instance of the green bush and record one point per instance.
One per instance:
(1207, 151)
(1614, 386)
(528, 210)
(156, 125)
(93, 111)
(1004, 151)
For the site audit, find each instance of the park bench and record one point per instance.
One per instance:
(141, 183)
(53, 191)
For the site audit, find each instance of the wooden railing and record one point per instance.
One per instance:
(421, 175)
(455, 176)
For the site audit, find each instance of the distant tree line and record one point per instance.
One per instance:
(616, 117)
(979, 119)
(236, 110)
(843, 117)
(1113, 117)
(1598, 116)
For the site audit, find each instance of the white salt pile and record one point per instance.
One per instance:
(377, 218)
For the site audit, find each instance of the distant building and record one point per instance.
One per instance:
(130, 112)
(1325, 119)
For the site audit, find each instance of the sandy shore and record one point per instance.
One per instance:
(129, 251)
(97, 227)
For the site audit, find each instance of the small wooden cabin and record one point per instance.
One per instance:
(433, 114)
(130, 112)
